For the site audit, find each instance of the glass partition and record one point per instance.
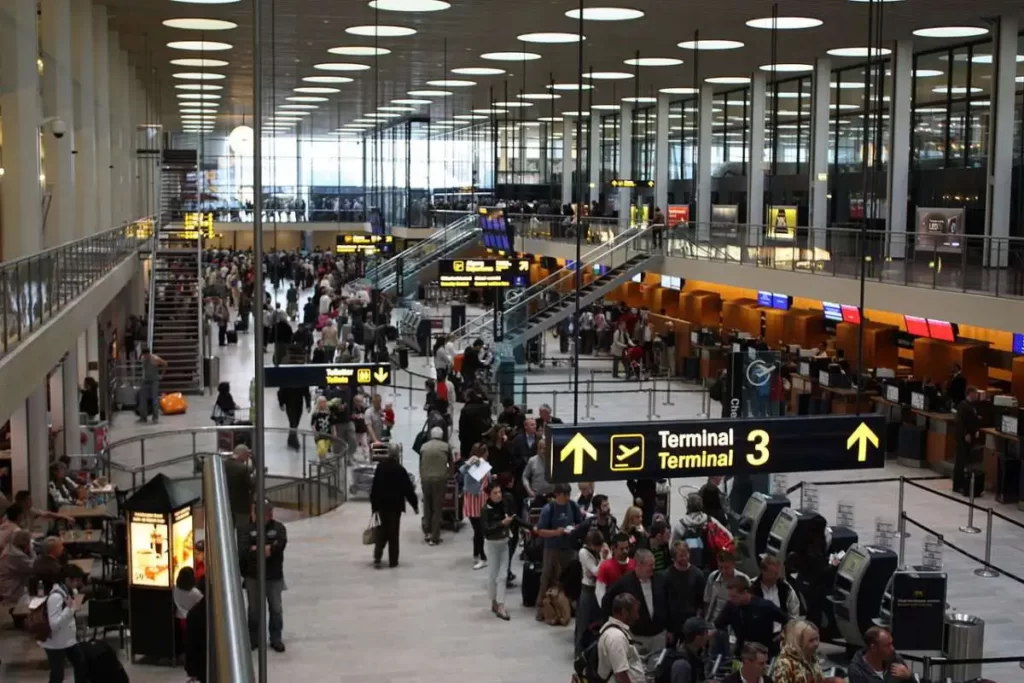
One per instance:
(682, 139)
(610, 140)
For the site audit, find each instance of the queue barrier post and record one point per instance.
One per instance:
(650, 409)
(901, 531)
(593, 403)
(668, 393)
(589, 395)
(987, 571)
(654, 397)
(902, 526)
(409, 407)
(970, 528)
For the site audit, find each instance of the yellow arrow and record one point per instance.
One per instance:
(577, 447)
(381, 375)
(861, 436)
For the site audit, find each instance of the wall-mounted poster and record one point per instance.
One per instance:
(940, 230)
(725, 219)
(678, 213)
(781, 223)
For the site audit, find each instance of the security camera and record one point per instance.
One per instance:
(56, 126)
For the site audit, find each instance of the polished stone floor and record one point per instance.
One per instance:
(429, 620)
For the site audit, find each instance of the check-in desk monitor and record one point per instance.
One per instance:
(860, 584)
(759, 514)
(792, 533)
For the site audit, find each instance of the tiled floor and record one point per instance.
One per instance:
(429, 619)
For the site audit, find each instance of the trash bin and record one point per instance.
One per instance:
(965, 639)
(211, 372)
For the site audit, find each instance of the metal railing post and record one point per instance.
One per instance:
(902, 531)
(668, 393)
(987, 571)
(409, 407)
(902, 526)
(653, 397)
(592, 401)
(970, 528)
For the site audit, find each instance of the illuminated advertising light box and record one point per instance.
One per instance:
(355, 243)
(678, 213)
(940, 230)
(781, 223)
(500, 273)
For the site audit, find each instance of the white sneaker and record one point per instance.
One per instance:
(480, 564)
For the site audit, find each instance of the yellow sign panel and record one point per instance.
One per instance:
(628, 452)
(197, 225)
(632, 183)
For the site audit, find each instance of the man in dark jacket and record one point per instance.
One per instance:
(968, 425)
(752, 619)
(389, 492)
(291, 400)
(878, 662)
(239, 480)
(471, 362)
(753, 664)
(195, 642)
(684, 591)
(272, 554)
(474, 421)
(649, 590)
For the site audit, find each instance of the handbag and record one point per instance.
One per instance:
(370, 532)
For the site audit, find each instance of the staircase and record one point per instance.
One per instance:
(550, 301)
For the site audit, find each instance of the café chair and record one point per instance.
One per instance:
(106, 615)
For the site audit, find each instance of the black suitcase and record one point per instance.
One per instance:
(242, 324)
(531, 583)
(232, 336)
(102, 663)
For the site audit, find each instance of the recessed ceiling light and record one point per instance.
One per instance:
(490, 111)
(327, 79)
(359, 51)
(478, 71)
(298, 106)
(197, 116)
(410, 5)
(606, 107)
(513, 105)
(451, 83)
(843, 106)
(410, 101)
(197, 96)
(955, 90)
(341, 66)
(207, 2)
(198, 86)
(859, 52)
(987, 59)
(199, 63)
(784, 23)
(605, 14)
(199, 76)
(679, 91)
(360, 125)
(382, 115)
(950, 32)
(539, 96)
(570, 86)
(389, 108)
(429, 93)
(640, 100)
(305, 98)
(928, 73)
(295, 113)
(550, 37)
(200, 24)
(470, 117)
(510, 56)
(199, 45)
(728, 80)
(195, 110)
(316, 89)
(608, 75)
(711, 44)
(786, 68)
(653, 61)
(848, 85)
(575, 113)
(381, 31)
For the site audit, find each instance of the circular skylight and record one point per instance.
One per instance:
(199, 63)
(198, 86)
(197, 96)
(200, 24)
(199, 76)
(728, 80)
(341, 66)
(306, 98)
(608, 75)
(575, 113)
(784, 23)
(605, 14)
(393, 108)
(711, 44)
(606, 107)
(199, 45)
(955, 90)
(359, 51)
(327, 79)
(786, 68)
(510, 56)
(550, 37)
(570, 86)
(410, 5)
(451, 83)
(317, 90)
(679, 91)
(538, 96)
(478, 71)
(653, 61)
(410, 101)
(640, 100)
(382, 115)
(298, 106)
(382, 31)
(950, 32)
(858, 52)
(429, 93)
(928, 73)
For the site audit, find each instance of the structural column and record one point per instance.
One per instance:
(102, 200)
(1000, 158)
(900, 122)
(625, 164)
(69, 391)
(568, 165)
(116, 86)
(821, 96)
(703, 179)
(594, 157)
(661, 154)
(84, 118)
(58, 101)
(755, 168)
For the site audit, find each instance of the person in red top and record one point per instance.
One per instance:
(615, 567)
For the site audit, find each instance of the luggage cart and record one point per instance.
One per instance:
(452, 513)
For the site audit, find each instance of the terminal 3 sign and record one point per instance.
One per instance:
(700, 448)
(490, 273)
(329, 375)
(352, 243)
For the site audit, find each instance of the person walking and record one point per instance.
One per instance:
(329, 336)
(149, 392)
(390, 491)
(435, 464)
(272, 555)
(473, 499)
(498, 516)
(63, 600)
(620, 342)
(291, 400)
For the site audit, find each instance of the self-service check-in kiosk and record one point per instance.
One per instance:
(860, 584)
(759, 514)
(793, 531)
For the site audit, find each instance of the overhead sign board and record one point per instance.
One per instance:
(332, 375)
(355, 243)
(699, 448)
(488, 273)
(197, 225)
(626, 182)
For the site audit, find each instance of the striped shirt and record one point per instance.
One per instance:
(473, 503)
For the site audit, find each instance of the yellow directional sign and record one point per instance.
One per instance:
(577, 448)
(628, 452)
(861, 436)
(381, 375)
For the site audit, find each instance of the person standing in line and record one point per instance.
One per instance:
(272, 554)
(149, 392)
(473, 500)
(498, 517)
(878, 662)
(239, 476)
(716, 597)
(689, 666)
(617, 656)
(435, 464)
(329, 336)
(620, 342)
(557, 520)
(770, 585)
(684, 591)
(968, 425)
(63, 600)
(798, 662)
(390, 491)
(588, 610)
(649, 589)
(753, 664)
(222, 316)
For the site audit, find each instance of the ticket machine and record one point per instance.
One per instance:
(859, 586)
(755, 524)
(793, 531)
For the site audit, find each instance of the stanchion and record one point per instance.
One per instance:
(554, 403)
(650, 408)
(668, 393)
(588, 418)
(593, 403)
(705, 407)
(987, 571)
(654, 397)
(409, 407)
(902, 530)
(970, 528)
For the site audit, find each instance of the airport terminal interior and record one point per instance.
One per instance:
(537, 341)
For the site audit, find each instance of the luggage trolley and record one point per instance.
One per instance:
(452, 513)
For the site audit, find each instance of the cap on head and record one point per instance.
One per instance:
(693, 627)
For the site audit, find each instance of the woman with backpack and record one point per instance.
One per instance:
(53, 625)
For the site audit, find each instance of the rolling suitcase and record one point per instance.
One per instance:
(232, 336)
(126, 396)
(102, 663)
(242, 324)
(531, 583)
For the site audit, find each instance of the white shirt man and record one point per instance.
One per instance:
(325, 303)
(617, 658)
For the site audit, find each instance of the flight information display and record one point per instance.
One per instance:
(488, 273)
(495, 229)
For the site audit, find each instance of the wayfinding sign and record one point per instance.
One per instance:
(356, 243)
(491, 273)
(699, 448)
(334, 374)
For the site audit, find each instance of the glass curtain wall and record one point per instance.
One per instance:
(610, 141)
(682, 149)
(1017, 194)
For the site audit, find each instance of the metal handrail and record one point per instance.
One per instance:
(228, 654)
(416, 252)
(451, 234)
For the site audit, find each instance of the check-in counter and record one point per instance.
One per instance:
(1001, 464)
(713, 359)
(941, 440)
(844, 401)
(893, 414)
(801, 385)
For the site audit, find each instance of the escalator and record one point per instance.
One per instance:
(550, 301)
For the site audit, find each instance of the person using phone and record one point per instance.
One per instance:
(62, 602)
(498, 517)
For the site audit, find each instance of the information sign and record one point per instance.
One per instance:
(626, 182)
(334, 374)
(354, 243)
(197, 225)
(490, 273)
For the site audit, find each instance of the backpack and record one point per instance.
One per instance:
(585, 665)
(694, 537)
(717, 539)
(669, 656)
(37, 623)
